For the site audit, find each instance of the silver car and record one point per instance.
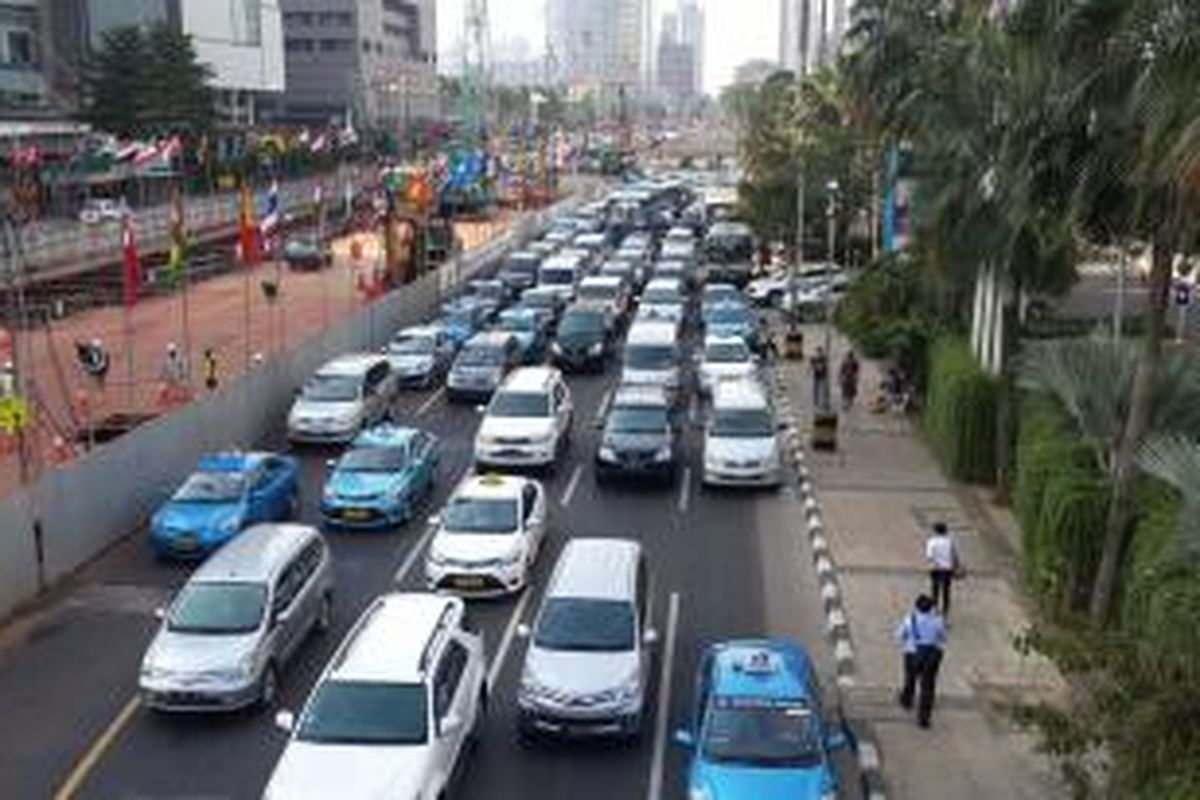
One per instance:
(238, 620)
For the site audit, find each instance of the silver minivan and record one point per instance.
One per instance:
(239, 618)
(587, 668)
(347, 394)
(652, 356)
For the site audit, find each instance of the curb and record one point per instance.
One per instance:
(837, 622)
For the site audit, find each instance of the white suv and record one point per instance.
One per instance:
(394, 710)
(528, 421)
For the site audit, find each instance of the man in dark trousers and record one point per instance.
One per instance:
(942, 557)
(922, 636)
(819, 367)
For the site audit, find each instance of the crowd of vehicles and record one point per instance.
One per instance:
(628, 285)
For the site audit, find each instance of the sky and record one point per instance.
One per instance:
(737, 30)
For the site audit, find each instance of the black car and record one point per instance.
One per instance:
(584, 339)
(639, 438)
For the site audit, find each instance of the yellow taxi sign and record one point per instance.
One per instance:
(492, 479)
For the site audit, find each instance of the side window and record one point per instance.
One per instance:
(643, 588)
(560, 395)
(528, 500)
(376, 376)
(449, 675)
(286, 586)
(420, 443)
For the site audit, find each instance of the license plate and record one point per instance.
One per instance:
(356, 514)
(469, 582)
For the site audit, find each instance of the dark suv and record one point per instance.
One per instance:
(584, 339)
(639, 438)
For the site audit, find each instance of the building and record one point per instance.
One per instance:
(602, 47)
(363, 61)
(676, 67)
(240, 40)
(811, 32)
(692, 34)
(23, 90)
(754, 72)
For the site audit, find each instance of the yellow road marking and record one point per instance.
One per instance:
(85, 765)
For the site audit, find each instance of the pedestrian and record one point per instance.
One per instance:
(93, 359)
(848, 378)
(942, 557)
(174, 374)
(818, 365)
(922, 637)
(210, 369)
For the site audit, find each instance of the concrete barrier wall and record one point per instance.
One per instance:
(111, 491)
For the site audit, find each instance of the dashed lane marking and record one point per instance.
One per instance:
(685, 490)
(662, 714)
(506, 639)
(571, 485)
(431, 401)
(84, 767)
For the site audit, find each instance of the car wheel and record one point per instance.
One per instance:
(324, 615)
(268, 687)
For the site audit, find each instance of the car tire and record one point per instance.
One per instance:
(268, 686)
(324, 621)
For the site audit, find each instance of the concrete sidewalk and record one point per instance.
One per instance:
(880, 493)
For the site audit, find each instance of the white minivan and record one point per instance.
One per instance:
(741, 437)
(349, 393)
(562, 273)
(652, 356)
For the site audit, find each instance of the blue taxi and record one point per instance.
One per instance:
(226, 493)
(757, 728)
(381, 479)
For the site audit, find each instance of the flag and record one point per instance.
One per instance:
(132, 273)
(248, 230)
(270, 220)
(177, 255)
(319, 143)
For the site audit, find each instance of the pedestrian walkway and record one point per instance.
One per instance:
(881, 492)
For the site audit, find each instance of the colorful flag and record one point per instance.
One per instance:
(248, 230)
(132, 273)
(270, 220)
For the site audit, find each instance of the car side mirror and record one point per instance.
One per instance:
(435, 520)
(451, 723)
(330, 463)
(650, 636)
(837, 740)
(480, 409)
(524, 631)
(684, 738)
(285, 720)
(598, 424)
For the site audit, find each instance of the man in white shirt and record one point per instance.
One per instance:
(942, 558)
(922, 637)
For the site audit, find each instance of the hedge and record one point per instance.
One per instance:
(960, 411)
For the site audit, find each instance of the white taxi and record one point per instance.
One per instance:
(488, 535)
(528, 421)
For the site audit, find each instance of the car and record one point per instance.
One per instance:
(528, 421)
(543, 249)
(491, 294)
(729, 250)
(519, 270)
(664, 298)
(679, 250)
(237, 621)
(395, 710)
(587, 666)
(547, 301)
(102, 209)
(562, 273)
(652, 357)
(724, 358)
(624, 269)
(488, 536)
(462, 318)
(638, 436)
(381, 479)
(718, 294)
(419, 355)
(678, 270)
(529, 328)
(607, 291)
(757, 727)
(813, 301)
(596, 244)
(776, 288)
(769, 290)
(225, 494)
(680, 233)
(741, 438)
(560, 237)
(584, 339)
(481, 365)
(347, 394)
(734, 319)
(307, 251)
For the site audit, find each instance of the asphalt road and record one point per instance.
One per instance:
(723, 565)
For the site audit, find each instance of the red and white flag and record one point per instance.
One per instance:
(132, 275)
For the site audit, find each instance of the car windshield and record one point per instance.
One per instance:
(520, 404)
(727, 353)
(650, 356)
(460, 317)
(729, 248)
(488, 291)
(597, 292)
(721, 294)
(480, 356)
(218, 608)
(577, 322)
(517, 322)
(303, 242)
(742, 423)
(373, 459)
(557, 277)
(521, 265)
(481, 515)
(729, 314)
(638, 419)
(575, 623)
(538, 300)
(411, 344)
(666, 295)
(212, 487)
(761, 733)
(350, 712)
(332, 388)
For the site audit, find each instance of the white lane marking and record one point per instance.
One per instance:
(685, 490)
(87, 764)
(430, 401)
(571, 484)
(506, 640)
(603, 407)
(411, 559)
(662, 716)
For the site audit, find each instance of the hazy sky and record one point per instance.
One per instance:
(738, 30)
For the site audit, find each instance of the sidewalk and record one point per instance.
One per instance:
(880, 493)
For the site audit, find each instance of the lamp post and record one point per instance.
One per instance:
(831, 208)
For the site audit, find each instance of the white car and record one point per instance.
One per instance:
(347, 394)
(102, 209)
(394, 711)
(741, 438)
(488, 536)
(724, 358)
(527, 423)
(663, 298)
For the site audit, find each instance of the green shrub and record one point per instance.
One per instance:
(960, 411)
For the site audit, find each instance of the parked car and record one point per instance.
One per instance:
(395, 710)
(305, 251)
(419, 355)
(227, 493)
(379, 482)
(757, 727)
(528, 421)
(238, 620)
(481, 365)
(488, 536)
(584, 339)
(347, 394)
(529, 328)
(638, 437)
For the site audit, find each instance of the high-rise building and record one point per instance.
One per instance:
(811, 32)
(22, 87)
(602, 46)
(369, 61)
(676, 73)
(691, 33)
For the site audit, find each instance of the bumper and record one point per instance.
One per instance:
(410, 380)
(475, 581)
(740, 476)
(353, 517)
(522, 455)
(187, 547)
(321, 435)
(168, 697)
(570, 362)
(469, 393)
(632, 469)
(579, 723)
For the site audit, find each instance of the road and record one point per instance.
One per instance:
(723, 565)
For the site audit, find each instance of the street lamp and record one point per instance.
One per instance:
(831, 208)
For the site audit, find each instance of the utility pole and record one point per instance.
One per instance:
(18, 319)
(831, 232)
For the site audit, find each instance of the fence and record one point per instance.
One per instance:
(54, 526)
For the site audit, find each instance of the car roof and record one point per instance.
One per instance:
(640, 395)
(517, 311)
(664, 283)
(529, 379)
(540, 291)
(720, 288)
(769, 668)
(652, 331)
(564, 260)
(418, 330)
(257, 553)
(599, 568)
(231, 461)
(392, 639)
(350, 364)
(385, 434)
(523, 255)
(491, 485)
(601, 280)
(490, 339)
(741, 393)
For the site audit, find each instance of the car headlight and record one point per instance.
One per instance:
(328, 493)
(238, 674)
(436, 559)
(607, 453)
(699, 793)
(556, 348)
(596, 349)
(151, 673)
(229, 524)
(663, 453)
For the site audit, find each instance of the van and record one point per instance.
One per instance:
(652, 356)
(587, 668)
(349, 393)
(729, 254)
(563, 274)
(741, 437)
